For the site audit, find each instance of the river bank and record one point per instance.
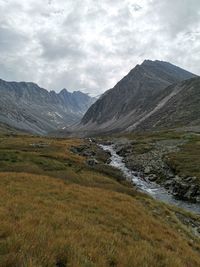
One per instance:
(171, 160)
(144, 185)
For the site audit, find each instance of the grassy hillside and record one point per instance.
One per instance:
(55, 211)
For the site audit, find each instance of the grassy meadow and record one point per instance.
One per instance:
(55, 211)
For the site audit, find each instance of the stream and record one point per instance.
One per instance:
(150, 188)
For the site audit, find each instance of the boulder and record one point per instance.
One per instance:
(190, 179)
(147, 170)
(180, 189)
(123, 151)
(191, 193)
(88, 153)
(152, 177)
(198, 199)
(92, 162)
(168, 184)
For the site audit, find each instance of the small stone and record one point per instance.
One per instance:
(168, 183)
(198, 199)
(152, 177)
(170, 175)
(147, 170)
(88, 153)
(92, 162)
(190, 179)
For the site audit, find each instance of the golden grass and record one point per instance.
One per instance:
(45, 222)
(19, 154)
(57, 212)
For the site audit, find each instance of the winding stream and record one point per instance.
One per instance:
(150, 188)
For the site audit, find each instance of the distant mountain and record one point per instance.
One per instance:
(132, 98)
(28, 107)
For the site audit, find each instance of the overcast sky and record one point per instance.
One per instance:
(91, 44)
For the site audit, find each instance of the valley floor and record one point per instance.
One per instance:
(56, 211)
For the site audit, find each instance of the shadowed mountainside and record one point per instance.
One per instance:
(181, 110)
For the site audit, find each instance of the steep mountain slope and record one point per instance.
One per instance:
(182, 109)
(27, 106)
(133, 97)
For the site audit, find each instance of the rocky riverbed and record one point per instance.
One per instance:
(143, 184)
(148, 161)
(152, 166)
(104, 156)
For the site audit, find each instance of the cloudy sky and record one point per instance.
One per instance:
(92, 44)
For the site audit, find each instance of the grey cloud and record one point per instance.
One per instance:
(61, 48)
(90, 45)
(177, 16)
(11, 40)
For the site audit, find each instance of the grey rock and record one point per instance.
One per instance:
(147, 170)
(168, 184)
(78, 149)
(190, 179)
(88, 153)
(185, 191)
(193, 190)
(198, 199)
(92, 162)
(170, 175)
(152, 177)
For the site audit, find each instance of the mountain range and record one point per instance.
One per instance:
(26, 106)
(153, 95)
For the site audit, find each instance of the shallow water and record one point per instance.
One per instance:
(150, 188)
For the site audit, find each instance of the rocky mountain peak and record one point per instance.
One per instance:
(63, 91)
(133, 96)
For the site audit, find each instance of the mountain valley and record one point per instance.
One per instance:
(116, 187)
(28, 107)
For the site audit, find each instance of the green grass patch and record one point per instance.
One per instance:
(186, 162)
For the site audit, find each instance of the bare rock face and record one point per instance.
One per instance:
(132, 100)
(28, 107)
